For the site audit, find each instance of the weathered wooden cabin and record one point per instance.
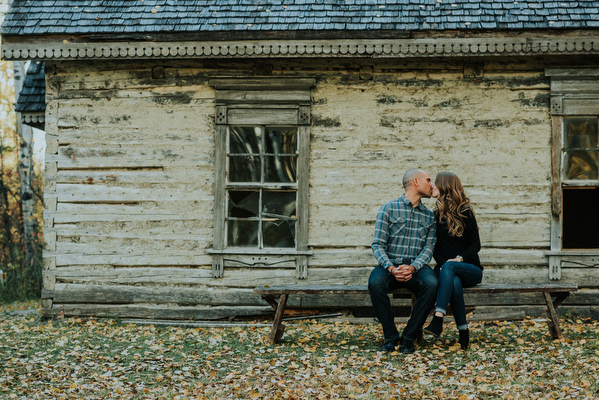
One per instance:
(197, 149)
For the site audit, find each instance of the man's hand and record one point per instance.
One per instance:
(403, 273)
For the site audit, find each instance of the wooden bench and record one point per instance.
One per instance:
(553, 293)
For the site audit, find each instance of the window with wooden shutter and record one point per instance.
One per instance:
(261, 180)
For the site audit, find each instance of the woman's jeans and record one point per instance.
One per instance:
(424, 282)
(453, 277)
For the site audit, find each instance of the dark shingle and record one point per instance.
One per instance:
(28, 17)
(32, 95)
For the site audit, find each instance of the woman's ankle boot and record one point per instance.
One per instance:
(464, 339)
(435, 327)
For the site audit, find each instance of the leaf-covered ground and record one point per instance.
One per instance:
(103, 359)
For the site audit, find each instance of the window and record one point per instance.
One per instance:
(580, 211)
(261, 173)
(575, 168)
(261, 187)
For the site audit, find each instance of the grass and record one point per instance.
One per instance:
(102, 359)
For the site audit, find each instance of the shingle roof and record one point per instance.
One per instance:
(44, 17)
(33, 93)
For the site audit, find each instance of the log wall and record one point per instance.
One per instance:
(130, 179)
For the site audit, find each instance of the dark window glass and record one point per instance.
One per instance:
(580, 132)
(580, 165)
(244, 169)
(281, 140)
(242, 233)
(279, 204)
(279, 233)
(245, 140)
(280, 169)
(581, 154)
(580, 218)
(244, 204)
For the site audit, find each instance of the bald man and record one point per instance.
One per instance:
(403, 244)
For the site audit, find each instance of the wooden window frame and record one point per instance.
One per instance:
(574, 93)
(261, 101)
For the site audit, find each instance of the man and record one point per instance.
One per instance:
(404, 240)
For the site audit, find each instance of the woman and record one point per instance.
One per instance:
(456, 254)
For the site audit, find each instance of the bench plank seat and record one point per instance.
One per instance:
(553, 293)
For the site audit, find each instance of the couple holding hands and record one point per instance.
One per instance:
(406, 236)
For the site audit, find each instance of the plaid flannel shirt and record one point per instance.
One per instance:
(402, 231)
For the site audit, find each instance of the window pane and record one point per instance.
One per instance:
(580, 133)
(581, 164)
(580, 218)
(244, 169)
(243, 204)
(280, 169)
(242, 233)
(281, 140)
(279, 233)
(245, 139)
(277, 204)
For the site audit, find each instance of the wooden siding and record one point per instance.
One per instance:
(131, 165)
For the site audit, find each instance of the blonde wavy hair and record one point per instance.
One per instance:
(452, 202)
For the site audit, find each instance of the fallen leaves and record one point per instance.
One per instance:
(91, 359)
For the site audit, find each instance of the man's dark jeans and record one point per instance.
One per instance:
(424, 282)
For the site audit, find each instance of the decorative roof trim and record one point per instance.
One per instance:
(32, 118)
(384, 48)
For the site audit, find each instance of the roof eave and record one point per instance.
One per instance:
(343, 48)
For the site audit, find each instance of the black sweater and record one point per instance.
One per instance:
(467, 246)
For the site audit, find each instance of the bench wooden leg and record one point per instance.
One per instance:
(553, 321)
(271, 301)
(277, 328)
